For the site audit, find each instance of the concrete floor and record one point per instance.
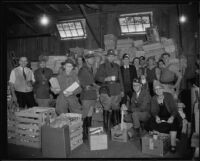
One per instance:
(131, 149)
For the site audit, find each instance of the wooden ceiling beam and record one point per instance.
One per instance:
(54, 7)
(18, 11)
(26, 23)
(68, 6)
(41, 8)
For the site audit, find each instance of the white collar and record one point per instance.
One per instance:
(126, 66)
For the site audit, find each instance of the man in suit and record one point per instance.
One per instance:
(140, 107)
(128, 74)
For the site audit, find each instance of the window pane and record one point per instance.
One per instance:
(68, 33)
(62, 34)
(59, 26)
(122, 21)
(71, 25)
(65, 26)
(124, 28)
(80, 32)
(137, 20)
(139, 28)
(145, 19)
(74, 33)
(131, 28)
(78, 25)
(130, 20)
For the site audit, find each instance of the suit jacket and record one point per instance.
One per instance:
(169, 102)
(142, 103)
(133, 73)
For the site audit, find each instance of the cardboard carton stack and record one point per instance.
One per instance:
(54, 62)
(67, 130)
(25, 126)
(110, 41)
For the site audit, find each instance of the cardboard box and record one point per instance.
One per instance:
(120, 135)
(98, 141)
(56, 142)
(157, 147)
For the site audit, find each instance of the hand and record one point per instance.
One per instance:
(170, 120)
(158, 120)
(14, 99)
(124, 108)
(55, 90)
(67, 94)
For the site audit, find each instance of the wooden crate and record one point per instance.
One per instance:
(26, 125)
(76, 141)
(98, 141)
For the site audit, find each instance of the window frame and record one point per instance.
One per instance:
(83, 28)
(141, 14)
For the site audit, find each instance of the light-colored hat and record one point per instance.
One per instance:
(157, 84)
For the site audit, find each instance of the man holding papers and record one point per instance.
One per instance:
(67, 87)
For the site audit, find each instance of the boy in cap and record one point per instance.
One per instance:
(109, 74)
(42, 86)
(67, 102)
(88, 94)
(128, 74)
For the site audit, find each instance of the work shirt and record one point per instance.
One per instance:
(108, 69)
(42, 86)
(151, 74)
(19, 81)
(87, 80)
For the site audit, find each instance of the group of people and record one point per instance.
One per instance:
(136, 87)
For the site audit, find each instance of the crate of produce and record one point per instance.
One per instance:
(156, 144)
(98, 139)
(27, 126)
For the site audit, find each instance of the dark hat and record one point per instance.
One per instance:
(104, 90)
(125, 56)
(89, 55)
(142, 57)
(165, 54)
(137, 80)
(69, 61)
(111, 52)
(151, 57)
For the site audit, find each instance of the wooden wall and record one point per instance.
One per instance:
(164, 16)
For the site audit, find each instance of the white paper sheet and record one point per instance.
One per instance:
(54, 83)
(71, 88)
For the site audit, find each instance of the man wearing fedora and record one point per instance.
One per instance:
(109, 75)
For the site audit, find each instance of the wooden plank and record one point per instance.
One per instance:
(27, 126)
(26, 132)
(26, 114)
(27, 120)
(31, 139)
(76, 133)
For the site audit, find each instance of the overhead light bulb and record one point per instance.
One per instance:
(182, 19)
(44, 20)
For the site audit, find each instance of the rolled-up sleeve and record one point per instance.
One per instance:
(12, 77)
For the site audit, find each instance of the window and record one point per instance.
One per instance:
(135, 23)
(72, 29)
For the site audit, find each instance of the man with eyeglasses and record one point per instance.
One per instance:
(139, 109)
(21, 81)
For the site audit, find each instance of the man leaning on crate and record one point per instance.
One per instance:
(21, 80)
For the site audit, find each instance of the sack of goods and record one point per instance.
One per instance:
(156, 144)
(63, 135)
(98, 139)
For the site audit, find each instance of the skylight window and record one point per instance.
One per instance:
(135, 23)
(72, 29)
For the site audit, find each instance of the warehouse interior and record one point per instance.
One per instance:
(28, 37)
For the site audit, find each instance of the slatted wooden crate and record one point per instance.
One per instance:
(28, 124)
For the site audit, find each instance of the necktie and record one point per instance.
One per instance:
(43, 71)
(24, 74)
